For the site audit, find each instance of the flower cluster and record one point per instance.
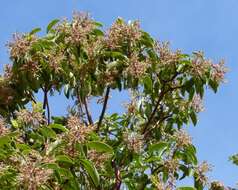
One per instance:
(32, 175)
(121, 33)
(166, 55)
(218, 71)
(134, 141)
(8, 74)
(200, 172)
(199, 64)
(98, 158)
(31, 67)
(78, 132)
(131, 107)
(171, 165)
(197, 104)
(33, 118)
(20, 45)
(182, 138)
(3, 129)
(55, 59)
(217, 185)
(79, 29)
(136, 67)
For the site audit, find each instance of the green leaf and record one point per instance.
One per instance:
(190, 153)
(64, 158)
(100, 146)
(35, 30)
(52, 166)
(193, 117)
(97, 32)
(4, 140)
(58, 126)
(14, 123)
(160, 148)
(48, 132)
(92, 171)
(23, 147)
(186, 188)
(51, 24)
(148, 84)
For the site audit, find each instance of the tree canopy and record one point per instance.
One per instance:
(146, 147)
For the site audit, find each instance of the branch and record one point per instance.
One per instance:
(117, 175)
(104, 108)
(80, 109)
(163, 92)
(90, 120)
(147, 132)
(46, 104)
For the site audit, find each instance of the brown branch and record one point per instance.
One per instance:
(90, 120)
(104, 108)
(161, 96)
(46, 104)
(147, 132)
(80, 106)
(117, 175)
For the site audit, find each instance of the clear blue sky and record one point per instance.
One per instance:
(207, 25)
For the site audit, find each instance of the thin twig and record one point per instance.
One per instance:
(104, 108)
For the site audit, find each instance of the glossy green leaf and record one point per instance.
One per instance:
(59, 127)
(91, 170)
(48, 132)
(100, 146)
(159, 148)
(51, 25)
(64, 158)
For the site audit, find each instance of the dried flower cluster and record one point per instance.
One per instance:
(121, 34)
(78, 132)
(20, 45)
(182, 138)
(134, 141)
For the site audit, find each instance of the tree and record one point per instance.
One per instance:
(144, 148)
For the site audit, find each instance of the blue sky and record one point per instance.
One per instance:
(210, 26)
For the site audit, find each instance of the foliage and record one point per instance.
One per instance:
(144, 148)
